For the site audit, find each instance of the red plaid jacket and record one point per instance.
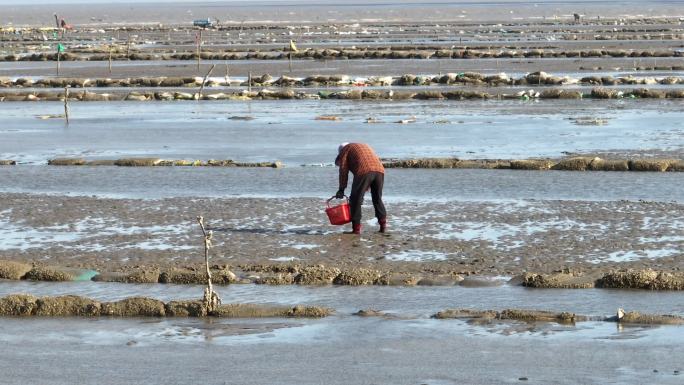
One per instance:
(360, 159)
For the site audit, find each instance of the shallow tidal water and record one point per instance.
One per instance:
(413, 302)
(287, 130)
(321, 182)
(342, 349)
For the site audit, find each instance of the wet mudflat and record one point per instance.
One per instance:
(445, 225)
(451, 236)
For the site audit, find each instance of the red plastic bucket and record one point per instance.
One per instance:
(340, 214)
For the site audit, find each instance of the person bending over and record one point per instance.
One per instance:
(369, 173)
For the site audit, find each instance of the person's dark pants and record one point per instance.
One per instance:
(360, 185)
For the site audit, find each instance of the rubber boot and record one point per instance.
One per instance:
(383, 225)
(356, 229)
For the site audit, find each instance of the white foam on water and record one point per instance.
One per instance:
(417, 256)
(494, 233)
(471, 231)
(662, 239)
(284, 259)
(304, 246)
(16, 236)
(632, 255)
(159, 245)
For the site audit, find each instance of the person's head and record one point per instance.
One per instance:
(339, 151)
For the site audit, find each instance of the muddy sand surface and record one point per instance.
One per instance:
(485, 238)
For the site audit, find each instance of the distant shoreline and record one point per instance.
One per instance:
(302, 11)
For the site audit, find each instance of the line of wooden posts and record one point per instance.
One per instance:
(198, 39)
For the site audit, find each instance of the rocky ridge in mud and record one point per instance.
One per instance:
(355, 94)
(583, 163)
(25, 305)
(535, 316)
(343, 276)
(461, 79)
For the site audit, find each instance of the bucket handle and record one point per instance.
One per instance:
(333, 197)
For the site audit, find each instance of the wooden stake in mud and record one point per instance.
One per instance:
(66, 105)
(290, 61)
(199, 49)
(111, 48)
(249, 81)
(211, 298)
(204, 81)
(227, 74)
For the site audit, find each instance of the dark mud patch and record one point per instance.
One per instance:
(134, 307)
(69, 305)
(356, 277)
(185, 309)
(157, 162)
(510, 315)
(197, 277)
(372, 313)
(440, 280)
(466, 314)
(141, 275)
(642, 279)
(316, 275)
(579, 163)
(18, 305)
(50, 273)
(636, 318)
(479, 281)
(261, 311)
(13, 270)
(559, 280)
(541, 316)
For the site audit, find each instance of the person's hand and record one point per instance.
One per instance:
(339, 194)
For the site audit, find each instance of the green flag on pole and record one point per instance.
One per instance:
(60, 48)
